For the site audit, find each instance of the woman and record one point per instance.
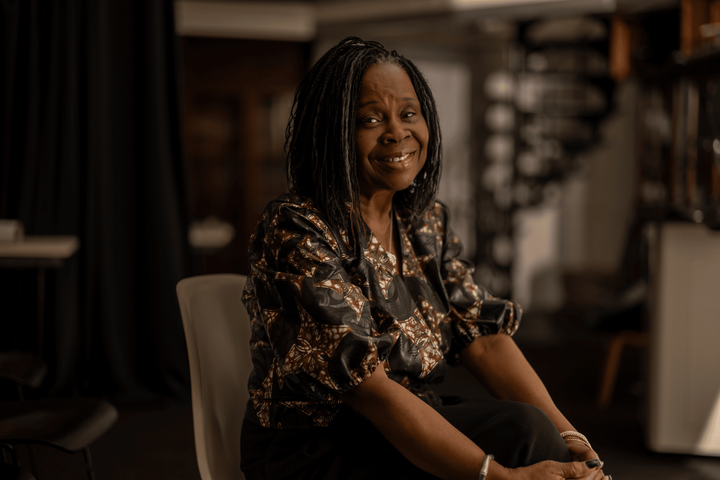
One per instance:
(358, 298)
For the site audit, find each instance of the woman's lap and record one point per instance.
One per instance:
(517, 434)
(351, 448)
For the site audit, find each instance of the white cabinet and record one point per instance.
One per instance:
(684, 367)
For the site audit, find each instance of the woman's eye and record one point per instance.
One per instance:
(409, 114)
(371, 120)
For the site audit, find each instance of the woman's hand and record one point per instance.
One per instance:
(580, 452)
(550, 470)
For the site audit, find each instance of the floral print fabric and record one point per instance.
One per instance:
(323, 317)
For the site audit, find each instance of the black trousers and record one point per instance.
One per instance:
(351, 447)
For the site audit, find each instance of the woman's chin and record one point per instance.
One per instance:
(400, 186)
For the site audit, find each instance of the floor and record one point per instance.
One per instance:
(157, 442)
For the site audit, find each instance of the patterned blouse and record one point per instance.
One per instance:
(324, 319)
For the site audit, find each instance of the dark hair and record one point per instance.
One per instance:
(320, 137)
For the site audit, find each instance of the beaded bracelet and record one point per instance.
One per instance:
(572, 439)
(576, 436)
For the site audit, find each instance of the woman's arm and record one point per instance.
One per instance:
(499, 364)
(419, 433)
(430, 442)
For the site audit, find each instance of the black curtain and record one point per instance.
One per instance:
(91, 146)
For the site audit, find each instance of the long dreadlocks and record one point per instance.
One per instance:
(320, 137)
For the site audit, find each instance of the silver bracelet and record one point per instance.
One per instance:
(485, 466)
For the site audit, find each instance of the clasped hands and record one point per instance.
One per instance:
(582, 467)
(581, 453)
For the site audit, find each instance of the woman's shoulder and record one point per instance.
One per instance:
(292, 201)
(293, 214)
(289, 207)
(439, 210)
(432, 221)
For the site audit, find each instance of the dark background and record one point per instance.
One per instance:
(91, 146)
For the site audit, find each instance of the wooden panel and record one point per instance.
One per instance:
(236, 105)
(715, 11)
(693, 13)
(620, 49)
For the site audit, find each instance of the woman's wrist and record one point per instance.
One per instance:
(485, 466)
(498, 472)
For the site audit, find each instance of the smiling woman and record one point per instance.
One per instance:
(358, 298)
(391, 134)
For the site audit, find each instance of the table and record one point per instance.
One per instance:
(41, 252)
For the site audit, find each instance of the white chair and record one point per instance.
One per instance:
(217, 331)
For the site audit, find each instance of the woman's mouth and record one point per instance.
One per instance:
(396, 158)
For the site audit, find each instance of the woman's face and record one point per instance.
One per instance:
(391, 135)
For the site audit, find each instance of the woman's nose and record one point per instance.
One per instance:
(396, 132)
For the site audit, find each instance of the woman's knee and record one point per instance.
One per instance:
(526, 436)
(538, 436)
(517, 434)
(531, 422)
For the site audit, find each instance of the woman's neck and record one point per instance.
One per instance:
(377, 211)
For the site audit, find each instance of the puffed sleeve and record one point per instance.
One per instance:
(313, 327)
(474, 311)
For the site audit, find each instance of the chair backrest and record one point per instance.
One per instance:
(217, 331)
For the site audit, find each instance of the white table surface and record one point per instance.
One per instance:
(50, 247)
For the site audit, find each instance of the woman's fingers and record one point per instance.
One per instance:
(580, 452)
(591, 470)
(599, 475)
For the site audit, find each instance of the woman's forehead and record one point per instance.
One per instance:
(386, 79)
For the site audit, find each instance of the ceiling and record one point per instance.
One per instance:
(301, 20)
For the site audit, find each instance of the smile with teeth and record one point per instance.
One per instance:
(396, 159)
